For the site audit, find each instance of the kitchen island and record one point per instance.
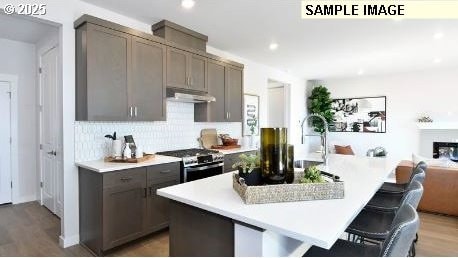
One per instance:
(208, 218)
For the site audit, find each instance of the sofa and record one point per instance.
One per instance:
(440, 188)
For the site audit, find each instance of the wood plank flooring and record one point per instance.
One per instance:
(31, 230)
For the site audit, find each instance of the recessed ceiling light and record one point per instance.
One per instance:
(188, 4)
(438, 35)
(273, 46)
(437, 60)
(360, 72)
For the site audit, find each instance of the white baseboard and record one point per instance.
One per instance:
(23, 199)
(65, 242)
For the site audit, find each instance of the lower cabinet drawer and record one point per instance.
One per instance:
(124, 177)
(169, 170)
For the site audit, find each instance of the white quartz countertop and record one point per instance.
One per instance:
(318, 223)
(103, 167)
(238, 150)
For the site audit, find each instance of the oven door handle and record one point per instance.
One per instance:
(204, 167)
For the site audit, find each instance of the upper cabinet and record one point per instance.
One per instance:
(123, 74)
(186, 70)
(102, 71)
(225, 83)
(147, 91)
(120, 77)
(234, 94)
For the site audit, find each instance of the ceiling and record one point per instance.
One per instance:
(312, 49)
(23, 29)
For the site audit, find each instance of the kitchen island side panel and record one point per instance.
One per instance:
(195, 232)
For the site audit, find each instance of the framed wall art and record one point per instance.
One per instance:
(251, 115)
(364, 115)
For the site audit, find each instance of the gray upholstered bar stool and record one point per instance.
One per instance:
(401, 188)
(390, 202)
(375, 224)
(397, 243)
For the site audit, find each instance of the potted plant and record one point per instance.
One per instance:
(249, 169)
(312, 175)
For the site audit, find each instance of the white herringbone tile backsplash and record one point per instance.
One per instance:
(178, 132)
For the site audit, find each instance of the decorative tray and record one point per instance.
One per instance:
(145, 157)
(294, 192)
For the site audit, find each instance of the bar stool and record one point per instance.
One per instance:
(397, 243)
(390, 202)
(401, 188)
(375, 224)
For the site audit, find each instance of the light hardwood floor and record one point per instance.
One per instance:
(31, 230)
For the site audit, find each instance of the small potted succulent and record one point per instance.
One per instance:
(249, 169)
(312, 175)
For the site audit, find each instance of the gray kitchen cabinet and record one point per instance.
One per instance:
(186, 70)
(120, 77)
(231, 159)
(118, 207)
(158, 177)
(177, 68)
(225, 83)
(234, 94)
(124, 206)
(148, 89)
(216, 80)
(158, 207)
(198, 73)
(102, 60)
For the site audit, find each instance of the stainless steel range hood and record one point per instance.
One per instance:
(182, 96)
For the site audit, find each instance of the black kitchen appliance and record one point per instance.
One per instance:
(197, 163)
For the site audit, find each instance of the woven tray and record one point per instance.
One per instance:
(146, 157)
(288, 192)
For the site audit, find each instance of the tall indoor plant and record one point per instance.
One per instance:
(321, 103)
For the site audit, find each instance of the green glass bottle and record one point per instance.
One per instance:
(290, 165)
(274, 144)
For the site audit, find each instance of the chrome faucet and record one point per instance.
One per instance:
(324, 136)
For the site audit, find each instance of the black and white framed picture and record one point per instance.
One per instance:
(365, 115)
(251, 115)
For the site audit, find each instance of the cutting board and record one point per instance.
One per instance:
(208, 138)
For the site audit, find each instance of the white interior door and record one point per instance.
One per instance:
(50, 132)
(276, 114)
(5, 143)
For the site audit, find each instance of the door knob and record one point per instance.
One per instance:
(54, 153)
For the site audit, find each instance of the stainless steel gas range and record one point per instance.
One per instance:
(198, 163)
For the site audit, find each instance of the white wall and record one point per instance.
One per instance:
(63, 14)
(18, 58)
(409, 95)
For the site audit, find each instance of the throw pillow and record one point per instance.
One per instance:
(344, 150)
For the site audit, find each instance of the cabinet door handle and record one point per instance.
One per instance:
(125, 179)
(145, 192)
(229, 115)
(131, 111)
(151, 191)
(166, 171)
(135, 111)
